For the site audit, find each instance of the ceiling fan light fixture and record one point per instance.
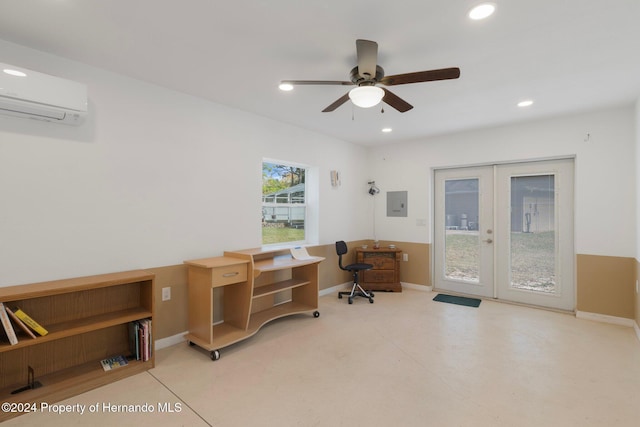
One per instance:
(366, 96)
(482, 11)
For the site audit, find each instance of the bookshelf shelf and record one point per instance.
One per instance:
(87, 320)
(260, 318)
(259, 286)
(273, 288)
(66, 329)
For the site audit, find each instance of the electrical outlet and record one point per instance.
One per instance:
(405, 257)
(166, 293)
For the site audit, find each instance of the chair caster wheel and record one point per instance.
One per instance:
(215, 355)
(339, 296)
(371, 294)
(316, 314)
(350, 300)
(371, 300)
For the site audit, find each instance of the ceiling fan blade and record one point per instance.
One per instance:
(421, 76)
(344, 98)
(317, 82)
(396, 102)
(367, 51)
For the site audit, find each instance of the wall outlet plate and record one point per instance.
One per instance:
(166, 293)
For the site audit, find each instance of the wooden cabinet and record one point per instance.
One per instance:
(385, 274)
(87, 320)
(259, 286)
(204, 275)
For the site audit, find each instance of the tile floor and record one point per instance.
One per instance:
(403, 361)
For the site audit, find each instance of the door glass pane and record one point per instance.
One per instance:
(462, 242)
(533, 240)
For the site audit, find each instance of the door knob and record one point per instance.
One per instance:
(488, 241)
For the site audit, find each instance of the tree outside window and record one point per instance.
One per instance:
(283, 203)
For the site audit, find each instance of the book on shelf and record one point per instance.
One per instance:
(19, 322)
(134, 340)
(8, 328)
(141, 339)
(30, 322)
(111, 363)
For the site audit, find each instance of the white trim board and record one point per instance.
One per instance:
(604, 318)
(172, 340)
(347, 286)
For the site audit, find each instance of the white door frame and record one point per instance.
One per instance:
(500, 289)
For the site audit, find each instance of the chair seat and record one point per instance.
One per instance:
(358, 266)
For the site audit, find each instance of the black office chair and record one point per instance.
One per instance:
(356, 289)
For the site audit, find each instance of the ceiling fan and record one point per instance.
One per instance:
(368, 74)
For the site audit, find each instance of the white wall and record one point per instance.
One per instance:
(153, 178)
(156, 177)
(637, 181)
(605, 187)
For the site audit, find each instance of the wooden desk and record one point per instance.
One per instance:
(259, 286)
(385, 275)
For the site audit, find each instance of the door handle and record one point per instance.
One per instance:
(488, 241)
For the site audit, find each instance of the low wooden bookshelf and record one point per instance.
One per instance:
(259, 286)
(87, 320)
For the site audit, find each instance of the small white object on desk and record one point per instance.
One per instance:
(300, 253)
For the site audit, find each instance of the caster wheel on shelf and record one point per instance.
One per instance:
(215, 355)
(316, 314)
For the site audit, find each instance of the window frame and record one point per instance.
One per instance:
(310, 204)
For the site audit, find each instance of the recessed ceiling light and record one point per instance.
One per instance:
(525, 103)
(14, 72)
(482, 11)
(386, 130)
(285, 86)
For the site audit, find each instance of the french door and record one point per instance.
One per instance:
(506, 232)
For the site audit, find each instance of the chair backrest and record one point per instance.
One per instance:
(341, 249)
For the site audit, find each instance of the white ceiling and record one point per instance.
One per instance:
(566, 55)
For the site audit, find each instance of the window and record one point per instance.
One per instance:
(284, 203)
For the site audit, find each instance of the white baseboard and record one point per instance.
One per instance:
(347, 286)
(169, 341)
(604, 318)
(336, 288)
(417, 287)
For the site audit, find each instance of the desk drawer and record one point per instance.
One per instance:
(381, 262)
(379, 276)
(227, 275)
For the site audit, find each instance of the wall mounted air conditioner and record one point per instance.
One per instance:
(34, 95)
